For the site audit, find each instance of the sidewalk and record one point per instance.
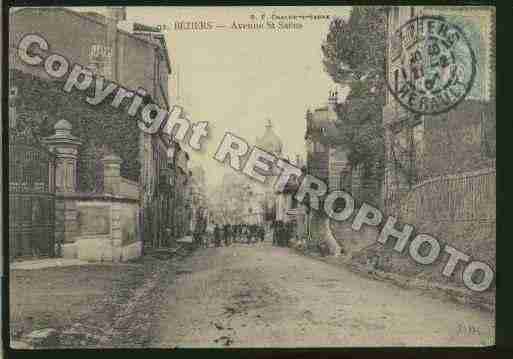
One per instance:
(45, 263)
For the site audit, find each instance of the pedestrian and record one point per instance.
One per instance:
(233, 237)
(251, 233)
(217, 236)
(280, 234)
(288, 233)
(275, 233)
(196, 238)
(262, 233)
(226, 234)
(203, 234)
(235, 233)
(275, 238)
(247, 234)
(256, 233)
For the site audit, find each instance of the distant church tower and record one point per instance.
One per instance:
(332, 105)
(269, 141)
(265, 193)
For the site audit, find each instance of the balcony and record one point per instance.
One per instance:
(406, 37)
(413, 33)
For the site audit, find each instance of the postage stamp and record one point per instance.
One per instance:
(438, 66)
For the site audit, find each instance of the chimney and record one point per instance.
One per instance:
(118, 13)
(115, 14)
(332, 98)
(332, 102)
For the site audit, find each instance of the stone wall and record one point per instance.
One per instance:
(99, 227)
(107, 229)
(459, 210)
(93, 226)
(461, 140)
(128, 188)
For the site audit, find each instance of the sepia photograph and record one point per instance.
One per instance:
(250, 177)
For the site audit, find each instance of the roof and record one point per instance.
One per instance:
(166, 53)
(270, 141)
(145, 30)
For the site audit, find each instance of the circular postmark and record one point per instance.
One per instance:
(433, 65)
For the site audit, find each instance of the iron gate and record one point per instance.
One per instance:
(31, 200)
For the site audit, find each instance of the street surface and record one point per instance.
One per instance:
(264, 296)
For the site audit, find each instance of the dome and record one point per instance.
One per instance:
(62, 125)
(270, 142)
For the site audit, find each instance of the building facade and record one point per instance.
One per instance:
(288, 208)
(329, 158)
(265, 205)
(440, 169)
(199, 206)
(135, 57)
(416, 149)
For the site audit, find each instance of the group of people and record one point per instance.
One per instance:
(245, 233)
(242, 233)
(283, 232)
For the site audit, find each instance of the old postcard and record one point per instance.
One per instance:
(251, 177)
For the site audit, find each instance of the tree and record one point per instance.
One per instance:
(354, 50)
(101, 128)
(354, 56)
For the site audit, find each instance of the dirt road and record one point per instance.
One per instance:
(264, 296)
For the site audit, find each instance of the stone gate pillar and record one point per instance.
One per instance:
(111, 174)
(111, 186)
(65, 147)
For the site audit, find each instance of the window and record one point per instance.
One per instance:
(100, 60)
(418, 143)
(13, 92)
(396, 18)
(488, 136)
(412, 11)
(396, 81)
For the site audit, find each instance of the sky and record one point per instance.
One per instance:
(237, 79)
